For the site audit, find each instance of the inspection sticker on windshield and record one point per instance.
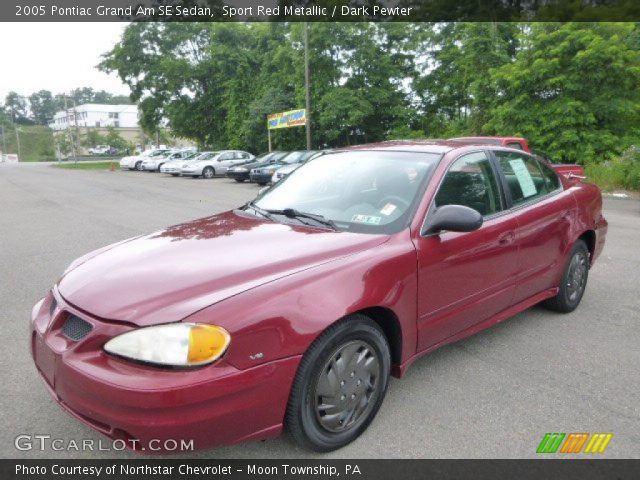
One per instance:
(368, 219)
(524, 177)
(388, 209)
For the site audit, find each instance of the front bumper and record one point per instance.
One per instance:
(238, 175)
(211, 406)
(261, 177)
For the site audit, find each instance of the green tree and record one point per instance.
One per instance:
(15, 106)
(43, 107)
(572, 90)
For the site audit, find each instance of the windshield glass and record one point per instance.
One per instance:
(158, 153)
(207, 155)
(360, 191)
(294, 157)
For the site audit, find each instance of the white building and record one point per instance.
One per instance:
(96, 116)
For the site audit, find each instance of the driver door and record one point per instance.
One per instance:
(466, 277)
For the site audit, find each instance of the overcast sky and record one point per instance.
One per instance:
(56, 57)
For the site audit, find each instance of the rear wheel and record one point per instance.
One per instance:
(239, 180)
(340, 385)
(160, 166)
(574, 280)
(208, 172)
(175, 174)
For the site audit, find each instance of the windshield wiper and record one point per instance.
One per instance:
(297, 214)
(261, 211)
(293, 213)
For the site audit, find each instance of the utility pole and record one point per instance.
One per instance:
(307, 85)
(18, 142)
(4, 141)
(77, 137)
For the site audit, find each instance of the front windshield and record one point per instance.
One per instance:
(207, 156)
(191, 156)
(360, 191)
(294, 157)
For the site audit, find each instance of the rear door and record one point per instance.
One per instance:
(465, 278)
(543, 212)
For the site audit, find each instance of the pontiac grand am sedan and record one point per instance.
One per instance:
(378, 255)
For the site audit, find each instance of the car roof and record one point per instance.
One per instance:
(426, 146)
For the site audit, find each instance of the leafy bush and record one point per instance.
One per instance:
(621, 172)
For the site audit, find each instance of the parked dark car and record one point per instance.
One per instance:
(241, 172)
(262, 174)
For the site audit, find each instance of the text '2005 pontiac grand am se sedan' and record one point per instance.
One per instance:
(378, 254)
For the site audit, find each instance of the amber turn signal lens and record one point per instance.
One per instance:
(206, 343)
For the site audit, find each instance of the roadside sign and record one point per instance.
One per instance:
(291, 118)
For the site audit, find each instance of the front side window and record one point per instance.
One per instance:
(471, 182)
(360, 191)
(524, 177)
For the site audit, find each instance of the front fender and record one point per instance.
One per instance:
(282, 318)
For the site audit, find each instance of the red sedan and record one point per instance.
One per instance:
(293, 310)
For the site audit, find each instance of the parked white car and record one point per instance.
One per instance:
(173, 167)
(100, 150)
(153, 164)
(134, 162)
(215, 164)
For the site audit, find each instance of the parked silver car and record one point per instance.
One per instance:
(134, 162)
(173, 167)
(153, 164)
(216, 164)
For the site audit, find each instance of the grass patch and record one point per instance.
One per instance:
(36, 142)
(86, 165)
(619, 173)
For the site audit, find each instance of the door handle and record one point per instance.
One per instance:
(506, 238)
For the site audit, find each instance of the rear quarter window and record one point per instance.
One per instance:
(525, 180)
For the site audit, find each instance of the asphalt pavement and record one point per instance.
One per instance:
(493, 395)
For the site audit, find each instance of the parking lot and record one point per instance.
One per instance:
(493, 395)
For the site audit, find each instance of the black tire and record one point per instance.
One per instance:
(353, 397)
(208, 172)
(139, 166)
(573, 282)
(175, 174)
(159, 167)
(262, 184)
(239, 180)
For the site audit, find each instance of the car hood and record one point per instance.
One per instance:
(170, 274)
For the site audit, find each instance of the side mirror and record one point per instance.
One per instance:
(455, 218)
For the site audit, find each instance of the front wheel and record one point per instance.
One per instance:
(208, 172)
(139, 166)
(340, 385)
(574, 280)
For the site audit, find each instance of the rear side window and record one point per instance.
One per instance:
(553, 182)
(470, 182)
(524, 178)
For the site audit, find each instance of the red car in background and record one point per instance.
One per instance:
(378, 255)
(568, 170)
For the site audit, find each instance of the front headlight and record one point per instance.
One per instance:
(175, 345)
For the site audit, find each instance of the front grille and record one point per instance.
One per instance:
(75, 328)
